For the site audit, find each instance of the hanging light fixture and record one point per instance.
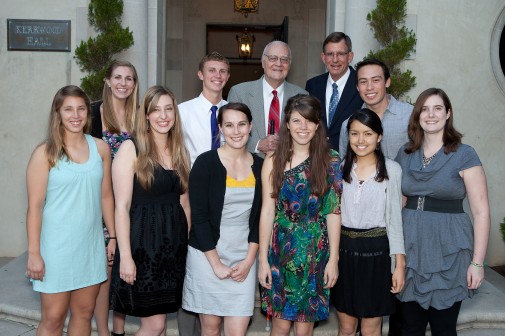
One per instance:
(246, 6)
(245, 45)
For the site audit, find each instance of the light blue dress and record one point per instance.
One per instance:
(71, 238)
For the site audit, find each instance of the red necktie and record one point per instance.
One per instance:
(274, 115)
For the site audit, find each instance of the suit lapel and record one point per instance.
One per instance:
(288, 93)
(322, 97)
(347, 96)
(257, 104)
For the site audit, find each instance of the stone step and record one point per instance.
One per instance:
(484, 313)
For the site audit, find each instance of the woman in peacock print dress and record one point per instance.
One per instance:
(300, 221)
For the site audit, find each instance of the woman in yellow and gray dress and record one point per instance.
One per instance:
(225, 198)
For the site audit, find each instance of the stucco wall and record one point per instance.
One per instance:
(453, 52)
(28, 83)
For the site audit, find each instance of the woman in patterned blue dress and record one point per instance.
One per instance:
(69, 189)
(300, 221)
(113, 119)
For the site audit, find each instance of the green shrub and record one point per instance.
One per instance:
(397, 42)
(502, 229)
(95, 55)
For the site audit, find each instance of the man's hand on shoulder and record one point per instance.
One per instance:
(268, 143)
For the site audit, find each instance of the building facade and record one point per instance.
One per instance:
(458, 49)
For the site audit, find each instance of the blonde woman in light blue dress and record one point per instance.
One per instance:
(69, 184)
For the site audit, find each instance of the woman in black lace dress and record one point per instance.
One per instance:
(150, 177)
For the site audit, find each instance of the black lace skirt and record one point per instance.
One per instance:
(159, 245)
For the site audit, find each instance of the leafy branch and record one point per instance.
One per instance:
(95, 55)
(397, 42)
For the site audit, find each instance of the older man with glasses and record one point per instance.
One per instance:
(267, 96)
(336, 89)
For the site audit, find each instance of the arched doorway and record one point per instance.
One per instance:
(185, 40)
(223, 38)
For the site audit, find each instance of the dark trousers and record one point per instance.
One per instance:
(395, 320)
(442, 322)
(188, 323)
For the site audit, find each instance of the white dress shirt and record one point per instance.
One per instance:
(329, 90)
(195, 120)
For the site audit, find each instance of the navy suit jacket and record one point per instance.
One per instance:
(349, 102)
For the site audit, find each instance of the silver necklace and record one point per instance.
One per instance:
(427, 160)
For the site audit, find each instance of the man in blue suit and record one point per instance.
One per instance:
(338, 101)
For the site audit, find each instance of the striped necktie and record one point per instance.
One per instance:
(333, 103)
(274, 115)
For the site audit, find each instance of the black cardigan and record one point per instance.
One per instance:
(207, 187)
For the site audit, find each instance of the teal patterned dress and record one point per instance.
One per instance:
(299, 248)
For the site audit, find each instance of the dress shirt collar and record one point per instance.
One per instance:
(340, 82)
(267, 89)
(392, 105)
(207, 104)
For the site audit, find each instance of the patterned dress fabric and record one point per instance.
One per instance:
(71, 242)
(114, 140)
(299, 247)
(159, 243)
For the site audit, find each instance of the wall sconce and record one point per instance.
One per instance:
(246, 6)
(245, 45)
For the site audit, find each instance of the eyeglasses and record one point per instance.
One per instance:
(339, 54)
(274, 59)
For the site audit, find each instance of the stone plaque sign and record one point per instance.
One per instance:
(38, 35)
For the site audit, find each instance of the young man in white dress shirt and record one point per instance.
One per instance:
(196, 114)
(214, 72)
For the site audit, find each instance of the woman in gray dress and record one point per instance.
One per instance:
(225, 198)
(444, 252)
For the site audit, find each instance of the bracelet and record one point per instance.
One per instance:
(112, 238)
(475, 264)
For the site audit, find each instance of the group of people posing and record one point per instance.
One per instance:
(334, 195)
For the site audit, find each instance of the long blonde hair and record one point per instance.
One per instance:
(55, 140)
(108, 116)
(147, 158)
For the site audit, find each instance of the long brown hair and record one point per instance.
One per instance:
(319, 153)
(451, 137)
(148, 159)
(55, 140)
(131, 104)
